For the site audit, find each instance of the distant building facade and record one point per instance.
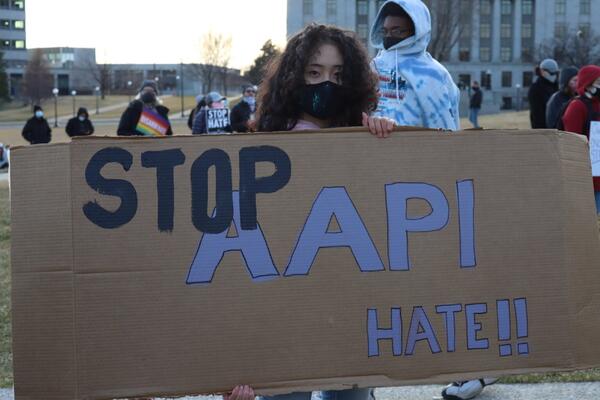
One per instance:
(498, 43)
(72, 68)
(12, 43)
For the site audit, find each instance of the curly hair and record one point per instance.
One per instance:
(279, 93)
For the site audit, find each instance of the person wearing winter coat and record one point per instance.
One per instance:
(80, 125)
(415, 89)
(559, 100)
(145, 116)
(37, 130)
(214, 100)
(200, 105)
(541, 91)
(584, 110)
(242, 114)
(475, 104)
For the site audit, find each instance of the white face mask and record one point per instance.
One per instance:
(82, 118)
(547, 75)
(39, 114)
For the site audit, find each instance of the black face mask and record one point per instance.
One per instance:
(389, 42)
(148, 98)
(323, 100)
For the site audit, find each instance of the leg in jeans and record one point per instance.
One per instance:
(597, 194)
(289, 396)
(349, 394)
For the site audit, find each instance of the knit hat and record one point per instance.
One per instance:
(199, 98)
(149, 83)
(566, 74)
(586, 77)
(37, 108)
(213, 97)
(549, 65)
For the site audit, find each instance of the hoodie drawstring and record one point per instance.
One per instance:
(396, 68)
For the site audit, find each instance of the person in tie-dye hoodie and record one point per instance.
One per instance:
(414, 89)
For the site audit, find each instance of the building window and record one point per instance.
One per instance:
(331, 11)
(507, 103)
(506, 7)
(486, 80)
(18, 4)
(5, 44)
(307, 8)
(464, 54)
(485, 31)
(486, 7)
(506, 78)
(506, 30)
(362, 30)
(527, 7)
(362, 7)
(560, 7)
(4, 23)
(527, 31)
(485, 54)
(19, 24)
(527, 78)
(560, 30)
(585, 30)
(19, 44)
(464, 80)
(526, 54)
(584, 7)
(505, 54)
(4, 4)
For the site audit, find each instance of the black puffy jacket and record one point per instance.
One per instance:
(131, 117)
(37, 131)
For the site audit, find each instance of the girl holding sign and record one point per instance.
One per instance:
(582, 116)
(322, 80)
(145, 116)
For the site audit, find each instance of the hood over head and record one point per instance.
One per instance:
(419, 13)
(84, 111)
(566, 74)
(586, 76)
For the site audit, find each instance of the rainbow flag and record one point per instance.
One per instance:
(152, 124)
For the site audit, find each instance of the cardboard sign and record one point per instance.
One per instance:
(217, 120)
(152, 124)
(300, 261)
(595, 147)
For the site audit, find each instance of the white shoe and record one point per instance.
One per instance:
(467, 389)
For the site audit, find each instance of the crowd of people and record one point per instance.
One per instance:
(324, 78)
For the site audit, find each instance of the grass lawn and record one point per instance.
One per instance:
(18, 112)
(511, 120)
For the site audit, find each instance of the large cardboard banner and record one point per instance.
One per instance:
(300, 261)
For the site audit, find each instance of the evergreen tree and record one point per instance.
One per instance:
(256, 72)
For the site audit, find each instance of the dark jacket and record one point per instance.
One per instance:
(539, 94)
(557, 103)
(77, 128)
(476, 99)
(37, 131)
(131, 116)
(199, 126)
(240, 115)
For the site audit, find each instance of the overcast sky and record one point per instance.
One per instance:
(155, 31)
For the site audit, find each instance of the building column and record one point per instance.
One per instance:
(517, 27)
(475, 31)
(496, 20)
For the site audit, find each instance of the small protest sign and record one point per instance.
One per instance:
(595, 147)
(152, 124)
(217, 120)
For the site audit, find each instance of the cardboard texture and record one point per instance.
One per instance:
(425, 257)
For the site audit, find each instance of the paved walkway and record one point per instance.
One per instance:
(542, 391)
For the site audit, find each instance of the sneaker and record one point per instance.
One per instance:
(466, 390)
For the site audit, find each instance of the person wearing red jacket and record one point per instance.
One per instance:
(584, 109)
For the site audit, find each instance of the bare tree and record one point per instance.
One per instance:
(216, 53)
(576, 48)
(100, 73)
(38, 79)
(446, 18)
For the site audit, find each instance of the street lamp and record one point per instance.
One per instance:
(180, 84)
(74, 93)
(55, 93)
(156, 79)
(489, 79)
(129, 83)
(518, 86)
(97, 100)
